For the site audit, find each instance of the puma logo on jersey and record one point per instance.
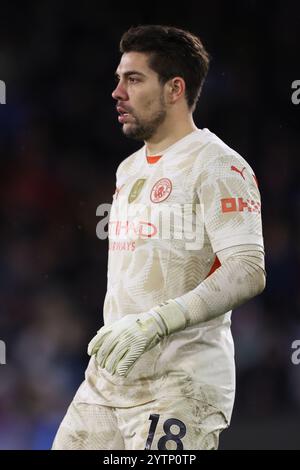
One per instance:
(234, 168)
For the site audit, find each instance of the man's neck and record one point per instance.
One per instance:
(163, 139)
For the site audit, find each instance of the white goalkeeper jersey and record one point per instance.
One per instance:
(170, 216)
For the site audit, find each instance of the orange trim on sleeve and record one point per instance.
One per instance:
(215, 266)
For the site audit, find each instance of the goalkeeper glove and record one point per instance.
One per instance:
(119, 346)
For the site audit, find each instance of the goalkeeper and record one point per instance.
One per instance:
(161, 373)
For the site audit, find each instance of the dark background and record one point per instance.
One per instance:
(60, 144)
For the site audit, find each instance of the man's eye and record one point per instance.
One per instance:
(132, 80)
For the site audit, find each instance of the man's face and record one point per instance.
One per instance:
(140, 99)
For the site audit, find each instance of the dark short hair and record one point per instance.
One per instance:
(172, 52)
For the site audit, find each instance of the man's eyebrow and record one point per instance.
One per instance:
(130, 72)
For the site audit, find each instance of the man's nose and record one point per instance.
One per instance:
(120, 93)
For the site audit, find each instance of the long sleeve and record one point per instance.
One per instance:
(240, 277)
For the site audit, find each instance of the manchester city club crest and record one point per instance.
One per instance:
(161, 190)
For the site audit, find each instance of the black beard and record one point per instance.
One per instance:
(144, 131)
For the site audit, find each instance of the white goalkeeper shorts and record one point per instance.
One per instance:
(165, 424)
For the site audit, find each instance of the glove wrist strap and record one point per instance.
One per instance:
(172, 315)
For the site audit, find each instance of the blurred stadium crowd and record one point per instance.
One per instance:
(60, 145)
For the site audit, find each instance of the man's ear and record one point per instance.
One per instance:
(175, 89)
